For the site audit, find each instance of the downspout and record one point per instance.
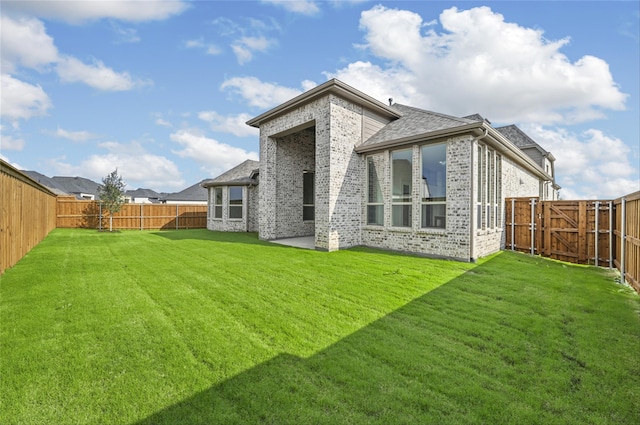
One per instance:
(474, 212)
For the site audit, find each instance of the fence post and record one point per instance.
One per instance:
(100, 216)
(176, 216)
(597, 237)
(610, 234)
(513, 223)
(623, 234)
(141, 217)
(533, 225)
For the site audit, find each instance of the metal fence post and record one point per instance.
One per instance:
(533, 225)
(610, 234)
(597, 237)
(513, 223)
(623, 234)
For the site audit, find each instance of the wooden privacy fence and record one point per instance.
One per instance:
(27, 214)
(88, 214)
(601, 233)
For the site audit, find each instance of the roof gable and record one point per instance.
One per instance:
(332, 86)
(242, 174)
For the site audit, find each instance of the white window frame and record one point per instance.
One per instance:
(402, 202)
(370, 203)
(217, 207)
(424, 203)
(235, 206)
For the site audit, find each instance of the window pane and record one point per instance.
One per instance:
(375, 192)
(308, 184)
(434, 215)
(308, 212)
(235, 211)
(235, 195)
(434, 172)
(401, 215)
(217, 211)
(402, 175)
(375, 214)
(235, 202)
(218, 196)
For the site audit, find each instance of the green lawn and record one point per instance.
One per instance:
(197, 327)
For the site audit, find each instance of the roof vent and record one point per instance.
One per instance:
(390, 101)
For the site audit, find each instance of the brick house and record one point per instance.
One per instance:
(349, 170)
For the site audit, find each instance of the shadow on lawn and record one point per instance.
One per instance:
(402, 368)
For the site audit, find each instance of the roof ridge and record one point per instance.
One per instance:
(439, 114)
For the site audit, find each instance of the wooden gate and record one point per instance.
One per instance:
(572, 231)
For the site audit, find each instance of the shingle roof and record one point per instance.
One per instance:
(142, 193)
(46, 181)
(77, 185)
(241, 174)
(413, 122)
(519, 137)
(193, 193)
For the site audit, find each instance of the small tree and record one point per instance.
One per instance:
(112, 194)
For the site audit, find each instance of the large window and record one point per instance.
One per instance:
(217, 202)
(235, 202)
(308, 196)
(433, 186)
(401, 183)
(489, 196)
(375, 202)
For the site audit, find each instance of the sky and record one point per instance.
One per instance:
(161, 90)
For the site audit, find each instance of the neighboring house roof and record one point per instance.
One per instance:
(143, 193)
(193, 193)
(22, 175)
(414, 121)
(77, 185)
(241, 175)
(332, 86)
(45, 181)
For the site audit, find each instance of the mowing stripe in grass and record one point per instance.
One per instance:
(205, 327)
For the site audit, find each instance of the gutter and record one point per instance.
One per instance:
(474, 212)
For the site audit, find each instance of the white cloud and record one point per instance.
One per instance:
(137, 167)
(261, 94)
(96, 75)
(209, 48)
(24, 42)
(22, 100)
(479, 63)
(77, 12)
(216, 157)
(234, 124)
(245, 47)
(591, 165)
(303, 7)
(10, 143)
(163, 123)
(125, 35)
(74, 136)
